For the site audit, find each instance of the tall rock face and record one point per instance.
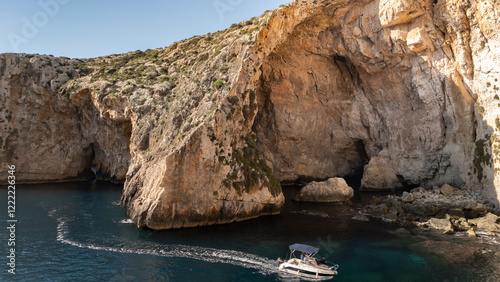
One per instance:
(203, 131)
(343, 81)
(52, 138)
(174, 124)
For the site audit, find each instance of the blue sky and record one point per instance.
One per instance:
(92, 28)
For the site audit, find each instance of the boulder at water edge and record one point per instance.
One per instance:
(332, 190)
(489, 223)
(378, 175)
(442, 224)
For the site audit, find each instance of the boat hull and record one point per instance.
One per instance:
(299, 268)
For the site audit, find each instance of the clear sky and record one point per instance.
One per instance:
(92, 28)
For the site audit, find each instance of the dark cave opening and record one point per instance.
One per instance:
(108, 160)
(353, 178)
(98, 156)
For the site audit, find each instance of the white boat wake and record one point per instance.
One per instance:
(126, 221)
(262, 265)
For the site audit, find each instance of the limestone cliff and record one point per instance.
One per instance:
(343, 82)
(173, 123)
(203, 131)
(52, 138)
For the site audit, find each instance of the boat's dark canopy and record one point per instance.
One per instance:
(303, 248)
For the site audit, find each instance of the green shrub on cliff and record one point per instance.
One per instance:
(218, 84)
(254, 169)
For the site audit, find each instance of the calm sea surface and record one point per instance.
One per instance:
(76, 232)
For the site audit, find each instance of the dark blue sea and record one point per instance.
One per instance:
(79, 232)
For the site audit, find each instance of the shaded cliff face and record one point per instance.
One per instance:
(202, 131)
(342, 82)
(342, 87)
(49, 137)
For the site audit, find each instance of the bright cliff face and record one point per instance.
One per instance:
(364, 78)
(203, 131)
(407, 84)
(174, 124)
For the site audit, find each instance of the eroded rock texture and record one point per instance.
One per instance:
(343, 81)
(174, 124)
(203, 131)
(53, 138)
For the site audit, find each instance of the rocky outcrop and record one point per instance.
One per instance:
(442, 224)
(332, 190)
(173, 123)
(203, 131)
(394, 12)
(422, 204)
(447, 209)
(201, 163)
(378, 175)
(490, 222)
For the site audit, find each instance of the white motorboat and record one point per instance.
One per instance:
(307, 265)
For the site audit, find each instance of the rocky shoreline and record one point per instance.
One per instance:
(443, 208)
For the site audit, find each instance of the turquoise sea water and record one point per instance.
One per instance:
(78, 232)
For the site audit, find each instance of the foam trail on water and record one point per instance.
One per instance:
(127, 221)
(263, 265)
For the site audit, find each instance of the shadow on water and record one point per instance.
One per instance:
(298, 221)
